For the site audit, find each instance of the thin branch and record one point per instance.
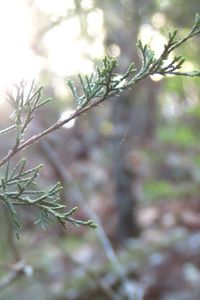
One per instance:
(65, 176)
(76, 113)
(18, 270)
(105, 85)
(105, 288)
(95, 89)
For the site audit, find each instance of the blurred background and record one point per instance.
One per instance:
(134, 161)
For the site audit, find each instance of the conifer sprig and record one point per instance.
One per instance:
(18, 186)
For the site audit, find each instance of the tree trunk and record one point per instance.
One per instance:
(133, 115)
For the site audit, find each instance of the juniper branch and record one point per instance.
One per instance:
(96, 88)
(106, 84)
(18, 188)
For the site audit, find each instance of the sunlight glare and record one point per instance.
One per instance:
(70, 53)
(55, 7)
(67, 51)
(16, 58)
(156, 77)
(152, 38)
(60, 42)
(156, 42)
(95, 22)
(158, 20)
(65, 115)
(114, 50)
(87, 4)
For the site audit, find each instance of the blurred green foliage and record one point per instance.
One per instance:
(179, 135)
(160, 189)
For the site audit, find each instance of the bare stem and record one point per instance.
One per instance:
(76, 113)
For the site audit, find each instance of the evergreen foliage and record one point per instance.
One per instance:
(18, 186)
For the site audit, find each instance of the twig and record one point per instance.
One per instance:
(107, 84)
(18, 270)
(45, 132)
(78, 195)
(106, 289)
